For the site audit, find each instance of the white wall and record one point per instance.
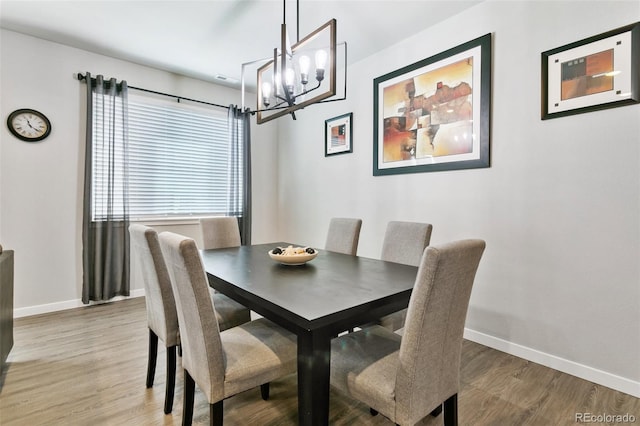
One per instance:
(41, 183)
(559, 207)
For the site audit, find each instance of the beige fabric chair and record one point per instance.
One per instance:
(343, 235)
(162, 318)
(221, 363)
(220, 232)
(407, 377)
(404, 242)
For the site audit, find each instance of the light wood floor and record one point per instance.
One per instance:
(87, 366)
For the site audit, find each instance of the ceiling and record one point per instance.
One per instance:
(206, 39)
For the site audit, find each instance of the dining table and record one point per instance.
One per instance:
(316, 301)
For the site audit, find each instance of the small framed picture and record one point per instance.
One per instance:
(598, 72)
(338, 136)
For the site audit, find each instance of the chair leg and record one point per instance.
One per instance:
(436, 412)
(451, 411)
(187, 405)
(171, 379)
(264, 391)
(216, 412)
(153, 356)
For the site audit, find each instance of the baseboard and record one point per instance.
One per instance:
(66, 304)
(585, 372)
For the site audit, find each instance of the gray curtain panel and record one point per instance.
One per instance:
(239, 203)
(105, 236)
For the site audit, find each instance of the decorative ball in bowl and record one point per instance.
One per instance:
(293, 255)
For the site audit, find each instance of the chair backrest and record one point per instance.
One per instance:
(220, 232)
(343, 235)
(162, 317)
(404, 242)
(202, 354)
(429, 370)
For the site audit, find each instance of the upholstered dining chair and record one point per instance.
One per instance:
(219, 232)
(162, 318)
(404, 242)
(410, 376)
(343, 235)
(222, 363)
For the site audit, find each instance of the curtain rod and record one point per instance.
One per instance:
(81, 77)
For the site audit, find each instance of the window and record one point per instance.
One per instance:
(180, 161)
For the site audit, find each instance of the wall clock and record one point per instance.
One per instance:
(29, 125)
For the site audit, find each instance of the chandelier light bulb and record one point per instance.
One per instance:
(266, 93)
(304, 69)
(278, 84)
(321, 59)
(321, 62)
(289, 78)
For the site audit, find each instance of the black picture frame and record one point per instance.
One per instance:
(338, 135)
(443, 119)
(595, 73)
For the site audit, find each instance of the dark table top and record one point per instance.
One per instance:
(331, 288)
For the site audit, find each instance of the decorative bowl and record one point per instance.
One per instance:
(292, 255)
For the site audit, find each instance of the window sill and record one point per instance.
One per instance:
(168, 221)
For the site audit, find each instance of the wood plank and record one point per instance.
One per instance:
(87, 366)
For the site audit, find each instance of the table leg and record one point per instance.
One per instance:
(314, 361)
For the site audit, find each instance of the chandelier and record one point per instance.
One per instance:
(297, 75)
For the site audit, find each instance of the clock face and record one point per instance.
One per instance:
(29, 125)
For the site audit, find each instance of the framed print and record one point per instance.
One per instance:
(592, 74)
(434, 115)
(338, 135)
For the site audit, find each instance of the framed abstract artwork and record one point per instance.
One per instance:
(596, 73)
(338, 135)
(435, 114)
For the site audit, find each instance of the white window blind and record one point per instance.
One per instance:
(180, 162)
